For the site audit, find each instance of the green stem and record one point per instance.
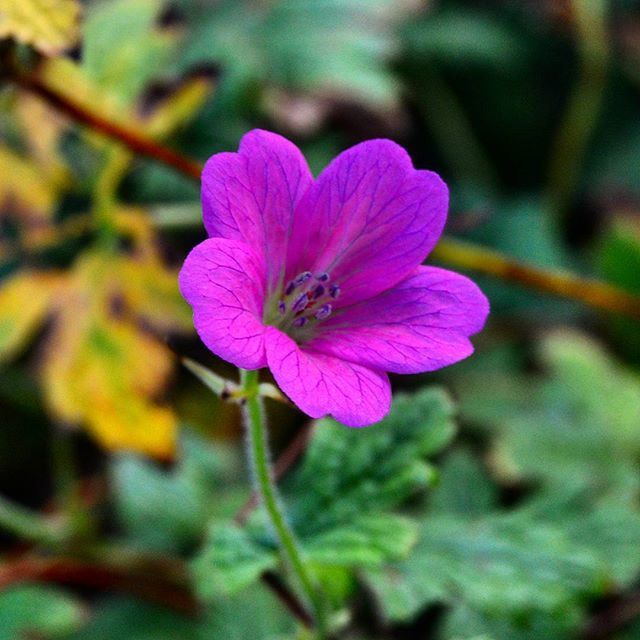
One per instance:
(583, 108)
(261, 467)
(27, 525)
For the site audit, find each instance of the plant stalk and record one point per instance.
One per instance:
(260, 460)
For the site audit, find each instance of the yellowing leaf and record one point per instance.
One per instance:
(148, 288)
(42, 128)
(178, 107)
(24, 189)
(24, 301)
(102, 371)
(51, 26)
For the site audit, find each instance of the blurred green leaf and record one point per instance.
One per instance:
(512, 564)
(464, 488)
(169, 510)
(231, 561)
(280, 43)
(367, 541)
(465, 37)
(123, 46)
(619, 262)
(577, 424)
(34, 610)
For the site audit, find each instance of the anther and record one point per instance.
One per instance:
(289, 288)
(322, 277)
(334, 291)
(282, 307)
(300, 322)
(323, 312)
(300, 302)
(302, 278)
(318, 291)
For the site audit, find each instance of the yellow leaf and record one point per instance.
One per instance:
(148, 287)
(104, 372)
(178, 108)
(24, 189)
(24, 301)
(42, 128)
(51, 26)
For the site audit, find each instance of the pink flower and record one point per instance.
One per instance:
(321, 280)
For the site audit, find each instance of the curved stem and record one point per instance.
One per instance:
(254, 417)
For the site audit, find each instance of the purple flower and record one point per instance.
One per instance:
(321, 280)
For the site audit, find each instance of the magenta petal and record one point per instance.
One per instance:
(223, 280)
(369, 220)
(251, 195)
(320, 384)
(421, 324)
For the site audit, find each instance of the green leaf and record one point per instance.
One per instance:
(464, 620)
(169, 510)
(119, 617)
(347, 473)
(619, 262)
(540, 558)
(36, 610)
(465, 37)
(123, 48)
(368, 541)
(576, 424)
(231, 561)
(465, 488)
(278, 42)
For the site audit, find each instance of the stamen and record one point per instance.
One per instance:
(323, 312)
(334, 291)
(289, 288)
(282, 307)
(322, 277)
(302, 278)
(318, 291)
(300, 303)
(300, 322)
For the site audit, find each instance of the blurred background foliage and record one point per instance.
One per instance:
(498, 501)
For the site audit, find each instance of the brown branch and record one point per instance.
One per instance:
(462, 255)
(594, 293)
(152, 584)
(131, 138)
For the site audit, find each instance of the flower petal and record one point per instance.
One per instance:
(421, 324)
(320, 384)
(223, 280)
(368, 220)
(251, 195)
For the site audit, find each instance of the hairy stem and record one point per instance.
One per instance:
(254, 417)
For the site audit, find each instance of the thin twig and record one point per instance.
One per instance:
(152, 585)
(131, 138)
(594, 293)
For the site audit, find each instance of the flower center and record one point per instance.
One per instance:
(306, 300)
